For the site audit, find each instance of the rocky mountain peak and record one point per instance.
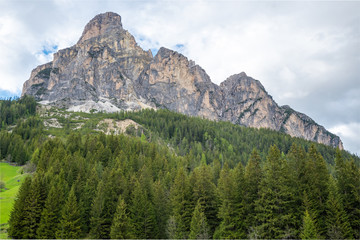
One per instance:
(242, 82)
(100, 24)
(108, 71)
(165, 53)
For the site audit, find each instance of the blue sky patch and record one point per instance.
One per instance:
(49, 49)
(154, 51)
(5, 94)
(179, 46)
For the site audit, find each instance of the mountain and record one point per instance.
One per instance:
(107, 71)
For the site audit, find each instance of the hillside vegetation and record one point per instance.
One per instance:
(12, 177)
(174, 176)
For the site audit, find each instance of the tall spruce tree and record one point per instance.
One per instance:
(87, 197)
(51, 214)
(308, 230)
(34, 205)
(231, 212)
(316, 180)
(348, 184)
(96, 211)
(204, 190)
(226, 187)
(17, 227)
(161, 208)
(273, 207)
(252, 179)
(199, 228)
(296, 158)
(121, 227)
(337, 222)
(142, 212)
(180, 198)
(70, 223)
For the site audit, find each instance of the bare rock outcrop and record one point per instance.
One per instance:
(107, 71)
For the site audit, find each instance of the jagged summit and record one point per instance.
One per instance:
(107, 71)
(100, 24)
(236, 79)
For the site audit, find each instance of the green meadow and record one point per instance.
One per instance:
(12, 177)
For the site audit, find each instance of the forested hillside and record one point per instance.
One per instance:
(177, 177)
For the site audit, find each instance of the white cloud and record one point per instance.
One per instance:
(350, 134)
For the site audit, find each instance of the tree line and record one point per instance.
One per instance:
(177, 177)
(103, 186)
(21, 130)
(12, 109)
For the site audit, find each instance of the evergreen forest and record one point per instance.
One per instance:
(173, 177)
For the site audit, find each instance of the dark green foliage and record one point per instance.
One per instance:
(231, 211)
(348, 184)
(308, 228)
(143, 212)
(273, 208)
(122, 227)
(180, 177)
(161, 207)
(70, 225)
(234, 142)
(51, 215)
(337, 222)
(315, 180)
(34, 204)
(199, 228)
(252, 179)
(18, 145)
(13, 109)
(181, 203)
(16, 222)
(204, 190)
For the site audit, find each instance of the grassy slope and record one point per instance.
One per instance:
(13, 178)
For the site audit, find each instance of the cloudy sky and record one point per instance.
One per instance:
(305, 53)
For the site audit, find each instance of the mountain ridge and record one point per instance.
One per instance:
(107, 70)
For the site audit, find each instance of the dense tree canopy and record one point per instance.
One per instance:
(180, 177)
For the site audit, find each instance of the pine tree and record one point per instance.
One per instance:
(252, 179)
(316, 180)
(105, 203)
(180, 198)
(161, 208)
(337, 222)
(226, 190)
(70, 223)
(296, 159)
(348, 183)
(274, 206)
(16, 221)
(51, 214)
(308, 229)
(96, 211)
(121, 227)
(34, 205)
(199, 228)
(232, 210)
(204, 190)
(142, 212)
(87, 197)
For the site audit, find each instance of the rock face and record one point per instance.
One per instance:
(107, 71)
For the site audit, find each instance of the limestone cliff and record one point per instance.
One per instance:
(106, 70)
